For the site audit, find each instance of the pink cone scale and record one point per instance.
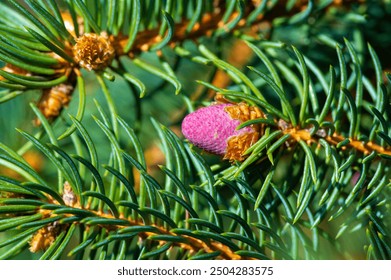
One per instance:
(211, 128)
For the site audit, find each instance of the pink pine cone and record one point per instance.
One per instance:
(211, 127)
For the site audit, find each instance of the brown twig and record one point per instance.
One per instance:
(193, 244)
(211, 22)
(364, 147)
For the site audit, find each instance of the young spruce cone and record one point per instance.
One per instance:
(213, 129)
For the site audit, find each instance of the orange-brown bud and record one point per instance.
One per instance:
(44, 237)
(93, 52)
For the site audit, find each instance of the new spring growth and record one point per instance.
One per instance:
(213, 129)
(93, 52)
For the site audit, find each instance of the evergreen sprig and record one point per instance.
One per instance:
(44, 42)
(122, 221)
(343, 156)
(318, 172)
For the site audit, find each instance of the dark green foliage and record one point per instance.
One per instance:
(315, 185)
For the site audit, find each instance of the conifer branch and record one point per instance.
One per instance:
(302, 147)
(189, 243)
(365, 148)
